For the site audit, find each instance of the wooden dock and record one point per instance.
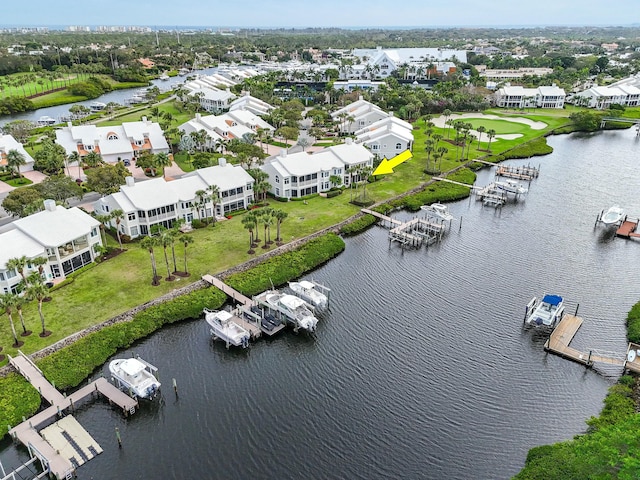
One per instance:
(233, 293)
(628, 229)
(38, 446)
(526, 173)
(412, 233)
(562, 336)
(384, 218)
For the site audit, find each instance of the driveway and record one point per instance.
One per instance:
(35, 176)
(173, 171)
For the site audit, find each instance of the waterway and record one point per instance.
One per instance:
(117, 96)
(421, 368)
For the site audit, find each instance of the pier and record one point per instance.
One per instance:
(67, 436)
(627, 229)
(525, 173)
(412, 233)
(563, 334)
(233, 293)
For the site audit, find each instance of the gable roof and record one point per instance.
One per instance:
(52, 228)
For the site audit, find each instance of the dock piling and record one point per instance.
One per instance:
(175, 386)
(118, 437)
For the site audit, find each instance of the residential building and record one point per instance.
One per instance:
(67, 237)
(236, 124)
(213, 101)
(521, 97)
(114, 143)
(299, 174)
(623, 92)
(509, 74)
(149, 204)
(387, 137)
(357, 115)
(7, 143)
(252, 104)
(351, 85)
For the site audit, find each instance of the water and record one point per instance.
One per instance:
(422, 368)
(117, 96)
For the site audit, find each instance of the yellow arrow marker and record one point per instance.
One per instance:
(386, 166)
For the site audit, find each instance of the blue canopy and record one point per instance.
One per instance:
(552, 299)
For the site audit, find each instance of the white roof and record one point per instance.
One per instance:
(225, 177)
(248, 118)
(408, 55)
(391, 130)
(7, 142)
(252, 104)
(551, 90)
(382, 124)
(186, 187)
(54, 228)
(16, 244)
(302, 163)
(352, 107)
(351, 153)
(149, 194)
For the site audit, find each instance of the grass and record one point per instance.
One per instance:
(183, 161)
(125, 281)
(18, 182)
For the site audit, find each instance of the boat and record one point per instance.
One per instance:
(183, 71)
(135, 376)
(438, 210)
(311, 292)
(546, 312)
(613, 216)
(164, 77)
(295, 309)
(97, 106)
(223, 327)
(511, 186)
(46, 121)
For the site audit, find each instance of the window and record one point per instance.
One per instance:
(1, 276)
(131, 216)
(141, 214)
(277, 192)
(106, 208)
(88, 148)
(286, 181)
(249, 186)
(94, 232)
(277, 179)
(398, 146)
(112, 136)
(375, 146)
(134, 231)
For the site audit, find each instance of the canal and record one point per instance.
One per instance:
(421, 368)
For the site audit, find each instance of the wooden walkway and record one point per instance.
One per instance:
(234, 294)
(628, 229)
(27, 431)
(518, 172)
(561, 337)
(391, 221)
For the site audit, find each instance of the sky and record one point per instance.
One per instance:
(319, 13)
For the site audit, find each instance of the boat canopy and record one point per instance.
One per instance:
(132, 367)
(554, 300)
(306, 284)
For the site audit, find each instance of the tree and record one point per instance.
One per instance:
(19, 129)
(15, 160)
(59, 188)
(117, 216)
(304, 142)
(20, 301)
(162, 160)
(103, 219)
(39, 291)
(201, 202)
(266, 218)
(185, 240)
(107, 178)
(148, 243)
(249, 223)
(167, 239)
(214, 196)
(50, 158)
(280, 216)
(490, 133)
(288, 133)
(92, 160)
(481, 129)
(23, 201)
(18, 264)
(7, 302)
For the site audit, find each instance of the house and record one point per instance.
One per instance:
(8, 143)
(232, 125)
(360, 84)
(251, 104)
(387, 137)
(146, 63)
(623, 92)
(521, 97)
(67, 237)
(114, 143)
(514, 73)
(299, 174)
(357, 115)
(150, 204)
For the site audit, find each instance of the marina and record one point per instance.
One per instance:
(438, 412)
(518, 172)
(412, 233)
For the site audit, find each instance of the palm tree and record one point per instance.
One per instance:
(162, 160)
(200, 201)
(7, 302)
(117, 216)
(481, 129)
(267, 220)
(103, 219)
(185, 240)
(39, 291)
(75, 157)
(249, 222)
(214, 195)
(490, 133)
(20, 301)
(429, 148)
(279, 215)
(446, 114)
(166, 240)
(39, 262)
(18, 264)
(148, 243)
(15, 160)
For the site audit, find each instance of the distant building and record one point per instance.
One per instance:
(521, 97)
(623, 92)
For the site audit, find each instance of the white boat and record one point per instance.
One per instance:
(183, 71)
(46, 121)
(546, 312)
(164, 77)
(224, 328)
(294, 308)
(97, 106)
(511, 186)
(438, 210)
(613, 216)
(311, 292)
(135, 376)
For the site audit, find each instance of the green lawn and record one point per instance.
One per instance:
(18, 182)
(123, 282)
(40, 85)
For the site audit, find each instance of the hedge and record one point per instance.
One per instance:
(17, 399)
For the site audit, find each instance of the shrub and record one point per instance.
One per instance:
(12, 388)
(333, 193)
(195, 223)
(358, 225)
(633, 324)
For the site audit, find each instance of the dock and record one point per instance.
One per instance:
(75, 438)
(526, 173)
(491, 196)
(561, 337)
(231, 292)
(412, 233)
(628, 229)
